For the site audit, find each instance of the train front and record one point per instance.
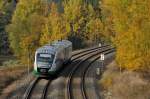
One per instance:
(43, 63)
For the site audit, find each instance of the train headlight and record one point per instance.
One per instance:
(50, 66)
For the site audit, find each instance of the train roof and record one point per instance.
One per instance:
(64, 43)
(55, 46)
(46, 49)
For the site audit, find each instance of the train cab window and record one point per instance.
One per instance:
(45, 58)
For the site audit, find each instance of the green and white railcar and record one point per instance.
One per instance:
(50, 58)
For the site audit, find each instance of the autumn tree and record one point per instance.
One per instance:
(75, 14)
(54, 29)
(79, 23)
(26, 26)
(94, 27)
(38, 22)
(131, 22)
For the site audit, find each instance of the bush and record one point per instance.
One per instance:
(124, 85)
(110, 73)
(129, 85)
(11, 63)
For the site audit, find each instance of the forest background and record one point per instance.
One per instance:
(26, 25)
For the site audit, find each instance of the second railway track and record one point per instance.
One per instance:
(72, 72)
(86, 52)
(83, 88)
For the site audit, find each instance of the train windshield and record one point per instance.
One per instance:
(45, 58)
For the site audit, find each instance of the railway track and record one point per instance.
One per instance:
(86, 52)
(45, 90)
(83, 88)
(30, 90)
(77, 58)
(71, 74)
(90, 49)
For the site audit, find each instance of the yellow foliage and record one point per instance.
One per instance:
(54, 29)
(95, 29)
(38, 22)
(25, 28)
(131, 19)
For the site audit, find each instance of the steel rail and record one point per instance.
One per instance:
(69, 91)
(30, 88)
(86, 50)
(89, 51)
(83, 89)
(45, 89)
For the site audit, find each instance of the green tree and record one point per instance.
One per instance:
(6, 9)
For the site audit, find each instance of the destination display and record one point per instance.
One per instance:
(45, 55)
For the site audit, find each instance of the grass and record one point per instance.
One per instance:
(124, 85)
(5, 58)
(10, 72)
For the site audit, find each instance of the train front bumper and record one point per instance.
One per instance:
(44, 71)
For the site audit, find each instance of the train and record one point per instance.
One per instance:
(50, 58)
